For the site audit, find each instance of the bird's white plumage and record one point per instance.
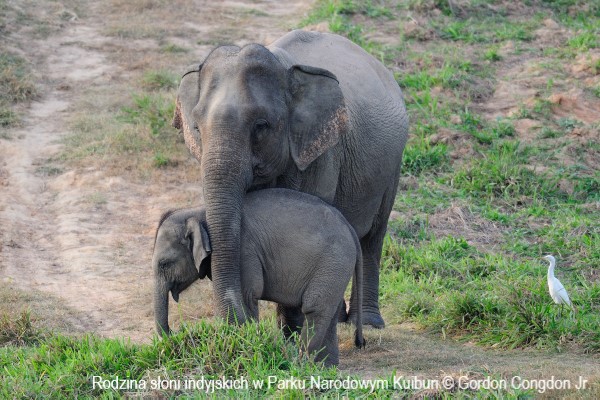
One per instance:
(557, 290)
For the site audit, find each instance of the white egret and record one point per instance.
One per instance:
(557, 290)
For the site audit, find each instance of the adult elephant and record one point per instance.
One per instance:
(312, 112)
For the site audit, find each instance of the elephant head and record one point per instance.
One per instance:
(181, 256)
(249, 120)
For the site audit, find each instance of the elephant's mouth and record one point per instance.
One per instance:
(175, 295)
(177, 288)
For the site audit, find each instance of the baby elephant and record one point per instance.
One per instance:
(296, 250)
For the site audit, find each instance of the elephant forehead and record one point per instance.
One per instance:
(169, 234)
(251, 60)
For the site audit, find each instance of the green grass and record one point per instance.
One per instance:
(16, 85)
(154, 111)
(19, 330)
(494, 295)
(173, 49)
(421, 155)
(450, 287)
(253, 352)
(138, 137)
(159, 80)
(16, 82)
(8, 117)
(254, 355)
(501, 175)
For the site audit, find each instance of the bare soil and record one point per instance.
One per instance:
(76, 240)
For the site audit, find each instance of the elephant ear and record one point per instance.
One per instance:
(200, 246)
(187, 98)
(318, 113)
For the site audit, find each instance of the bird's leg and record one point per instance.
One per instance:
(560, 311)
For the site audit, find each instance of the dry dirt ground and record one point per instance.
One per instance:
(76, 240)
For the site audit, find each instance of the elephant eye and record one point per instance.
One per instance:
(260, 125)
(163, 264)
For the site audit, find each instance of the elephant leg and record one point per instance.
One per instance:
(330, 343)
(290, 319)
(371, 246)
(316, 334)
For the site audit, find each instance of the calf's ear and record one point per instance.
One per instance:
(200, 246)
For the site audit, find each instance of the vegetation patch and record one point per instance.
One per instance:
(458, 154)
(16, 85)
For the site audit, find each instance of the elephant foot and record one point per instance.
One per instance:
(371, 318)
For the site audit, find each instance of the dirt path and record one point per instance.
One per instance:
(81, 236)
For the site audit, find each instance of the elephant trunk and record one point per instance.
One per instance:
(226, 179)
(161, 307)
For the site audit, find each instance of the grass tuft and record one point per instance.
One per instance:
(159, 80)
(19, 330)
(16, 83)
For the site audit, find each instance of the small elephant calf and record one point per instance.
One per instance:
(296, 250)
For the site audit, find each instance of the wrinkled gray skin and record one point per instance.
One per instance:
(311, 112)
(296, 251)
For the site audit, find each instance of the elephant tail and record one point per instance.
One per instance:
(357, 289)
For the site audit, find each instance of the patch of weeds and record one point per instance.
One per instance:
(19, 330)
(8, 118)
(549, 133)
(584, 41)
(421, 155)
(326, 9)
(129, 141)
(160, 160)
(427, 104)
(503, 128)
(421, 260)
(338, 14)
(573, 8)
(543, 107)
(427, 198)
(523, 113)
(159, 80)
(568, 124)
(501, 175)
(476, 126)
(448, 76)
(469, 309)
(492, 54)
(419, 305)
(495, 215)
(173, 48)
(414, 230)
(493, 29)
(16, 82)
(150, 110)
(48, 170)
(342, 26)
(588, 188)
(491, 299)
